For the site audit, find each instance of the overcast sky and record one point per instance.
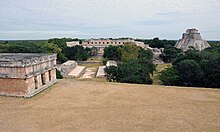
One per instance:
(43, 19)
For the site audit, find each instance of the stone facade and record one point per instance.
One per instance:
(102, 43)
(192, 38)
(24, 75)
(73, 43)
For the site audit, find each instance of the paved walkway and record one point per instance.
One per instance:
(89, 73)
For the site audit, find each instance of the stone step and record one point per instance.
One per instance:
(77, 71)
(101, 72)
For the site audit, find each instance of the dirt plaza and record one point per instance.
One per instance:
(75, 105)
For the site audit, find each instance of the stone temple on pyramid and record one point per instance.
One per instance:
(192, 39)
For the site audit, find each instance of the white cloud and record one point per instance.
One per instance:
(111, 17)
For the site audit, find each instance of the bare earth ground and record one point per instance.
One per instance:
(73, 105)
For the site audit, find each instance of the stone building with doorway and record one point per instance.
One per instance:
(26, 74)
(102, 43)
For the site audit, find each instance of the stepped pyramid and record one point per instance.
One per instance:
(192, 38)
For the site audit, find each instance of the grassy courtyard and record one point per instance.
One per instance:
(73, 105)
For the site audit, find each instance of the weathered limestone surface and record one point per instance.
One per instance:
(192, 38)
(111, 63)
(76, 72)
(101, 72)
(24, 75)
(67, 67)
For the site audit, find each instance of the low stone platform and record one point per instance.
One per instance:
(77, 71)
(89, 73)
(101, 72)
(67, 67)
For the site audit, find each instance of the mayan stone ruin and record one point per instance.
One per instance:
(24, 75)
(192, 39)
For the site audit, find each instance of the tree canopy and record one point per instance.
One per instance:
(157, 43)
(194, 68)
(54, 45)
(112, 53)
(77, 53)
(129, 51)
(131, 71)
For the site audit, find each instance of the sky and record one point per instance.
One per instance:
(166, 19)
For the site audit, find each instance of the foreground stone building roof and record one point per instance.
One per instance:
(192, 38)
(24, 75)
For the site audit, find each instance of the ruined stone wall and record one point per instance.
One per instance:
(13, 87)
(27, 87)
(27, 78)
(25, 72)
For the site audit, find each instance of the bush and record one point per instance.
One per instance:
(104, 61)
(58, 74)
(111, 73)
(112, 53)
(169, 76)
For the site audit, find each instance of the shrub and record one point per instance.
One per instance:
(104, 61)
(58, 74)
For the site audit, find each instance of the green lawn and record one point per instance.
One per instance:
(159, 68)
(96, 65)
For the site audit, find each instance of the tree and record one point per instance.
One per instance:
(157, 43)
(19, 47)
(146, 54)
(131, 71)
(188, 55)
(190, 73)
(194, 68)
(129, 51)
(147, 65)
(111, 73)
(47, 47)
(212, 74)
(112, 53)
(170, 53)
(61, 43)
(169, 76)
(77, 53)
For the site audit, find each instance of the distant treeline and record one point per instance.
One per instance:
(214, 43)
(157, 43)
(54, 45)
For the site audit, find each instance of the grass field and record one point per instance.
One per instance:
(159, 68)
(72, 105)
(96, 65)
